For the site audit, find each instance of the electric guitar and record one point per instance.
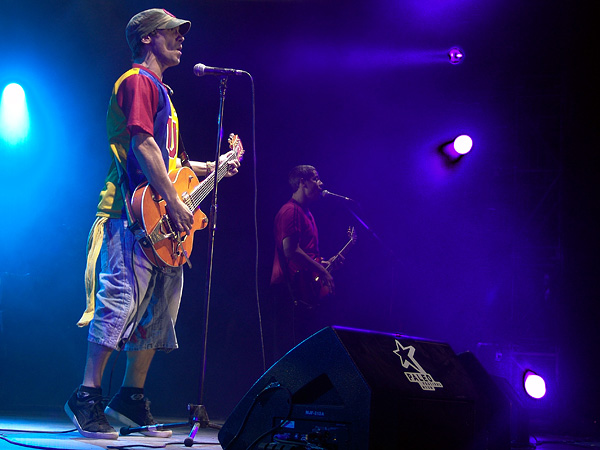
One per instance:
(308, 285)
(163, 245)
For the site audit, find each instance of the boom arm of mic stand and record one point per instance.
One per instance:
(366, 227)
(390, 252)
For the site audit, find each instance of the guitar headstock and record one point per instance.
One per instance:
(235, 144)
(352, 235)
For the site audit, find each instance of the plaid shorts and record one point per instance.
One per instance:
(136, 303)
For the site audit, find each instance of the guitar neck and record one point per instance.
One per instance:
(206, 186)
(346, 248)
(342, 253)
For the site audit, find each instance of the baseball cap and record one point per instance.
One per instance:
(145, 22)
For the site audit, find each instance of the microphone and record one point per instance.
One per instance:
(326, 193)
(200, 70)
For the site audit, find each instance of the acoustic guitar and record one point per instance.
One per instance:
(164, 245)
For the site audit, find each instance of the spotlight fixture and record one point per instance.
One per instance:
(534, 385)
(462, 144)
(455, 149)
(455, 55)
(14, 115)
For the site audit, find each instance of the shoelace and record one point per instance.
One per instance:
(97, 410)
(149, 418)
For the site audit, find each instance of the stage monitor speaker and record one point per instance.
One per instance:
(347, 389)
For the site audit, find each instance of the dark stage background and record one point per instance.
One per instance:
(496, 252)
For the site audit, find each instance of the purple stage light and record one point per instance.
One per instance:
(463, 144)
(454, 150)
(455, 55)
(535, 386)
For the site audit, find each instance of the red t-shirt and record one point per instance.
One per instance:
(292, 220)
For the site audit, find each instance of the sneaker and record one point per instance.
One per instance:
(86, 412)
(135, 413)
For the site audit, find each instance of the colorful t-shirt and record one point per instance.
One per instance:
(292, 220)
(139, 102)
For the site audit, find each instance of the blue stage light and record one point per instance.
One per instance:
(14, 115)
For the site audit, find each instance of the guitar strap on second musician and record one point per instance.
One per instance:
(293, 284)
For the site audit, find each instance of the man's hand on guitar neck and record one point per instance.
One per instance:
(204, 169)
(233, 159)
(333, 263)
(233, 165)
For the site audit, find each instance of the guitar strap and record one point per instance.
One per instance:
(293, 285)
(132, 224)
(286, 276)
(185, 160)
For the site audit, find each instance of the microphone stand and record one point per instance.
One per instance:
(201, 417)
(212, 228)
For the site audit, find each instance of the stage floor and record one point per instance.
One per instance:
(55, 431)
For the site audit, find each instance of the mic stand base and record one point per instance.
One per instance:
(197, 418)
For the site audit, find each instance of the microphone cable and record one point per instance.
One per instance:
(256, 239)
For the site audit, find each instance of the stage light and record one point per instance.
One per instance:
(456, 55)
(455, 149)
(463, 144)
(14, 115)
(534, 385)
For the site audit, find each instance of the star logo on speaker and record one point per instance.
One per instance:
(407, 359)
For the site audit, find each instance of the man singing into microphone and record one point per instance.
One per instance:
(135, 305)
(297, 264)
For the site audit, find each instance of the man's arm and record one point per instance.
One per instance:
(149, 156)
(203, 169)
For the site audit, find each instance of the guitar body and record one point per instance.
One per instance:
(165, 246)
(308, 289)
